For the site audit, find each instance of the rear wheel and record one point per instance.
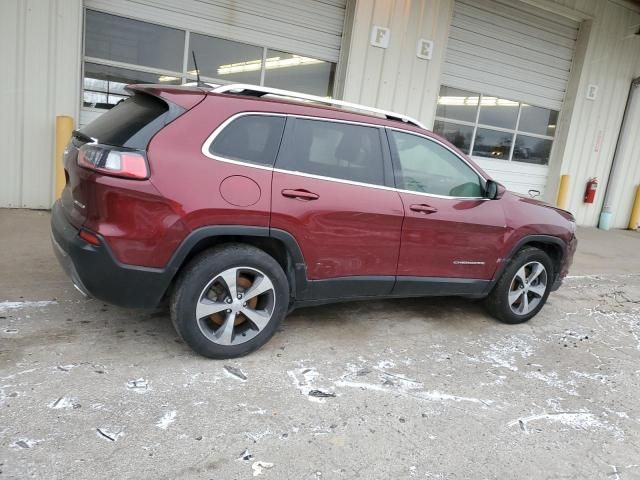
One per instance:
(229, 301)
(523, 288)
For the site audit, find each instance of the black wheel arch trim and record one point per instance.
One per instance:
(549, 239)
(296, 270)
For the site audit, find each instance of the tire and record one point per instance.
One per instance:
(220, 320)
(507, 301)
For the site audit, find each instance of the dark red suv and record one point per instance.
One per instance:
(240, 203)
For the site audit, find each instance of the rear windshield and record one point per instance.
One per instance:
(131, 123)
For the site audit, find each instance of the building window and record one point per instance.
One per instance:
(498, 128)
(119, 51)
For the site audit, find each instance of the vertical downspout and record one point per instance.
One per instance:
(606, 215)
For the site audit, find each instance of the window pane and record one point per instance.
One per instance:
(131, 41)
(492, 144)
(532, 150)
(224, 59)
(105, 86)
(301, 74)
(430, 168)
(337, 150)
(252, 138)
(498, 112)
(131, 124)
(538, 120)
(457, 104)
(459, 135)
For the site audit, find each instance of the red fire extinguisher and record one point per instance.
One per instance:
(590, 192)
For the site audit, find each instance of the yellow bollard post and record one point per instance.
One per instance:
(563, 191)
(635, 212)
(64, 129)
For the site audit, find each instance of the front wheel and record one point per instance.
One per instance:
(229, 301)
(523, 288)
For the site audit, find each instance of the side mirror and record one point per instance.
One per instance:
(494, 190)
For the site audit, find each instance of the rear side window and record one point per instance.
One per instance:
(334, 149)
(250, 138)
(131, 123)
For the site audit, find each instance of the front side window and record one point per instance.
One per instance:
(251, 138)
(427, 167)
(334, 149)
(497, 128)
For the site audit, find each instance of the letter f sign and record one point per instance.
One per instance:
(380, 37)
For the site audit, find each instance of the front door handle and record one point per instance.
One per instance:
(423, 208)
(300, 194)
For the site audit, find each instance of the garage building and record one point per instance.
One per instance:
(531, 89)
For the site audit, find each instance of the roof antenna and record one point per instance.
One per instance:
(195, 64)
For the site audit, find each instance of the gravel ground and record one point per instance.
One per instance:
(422, 388)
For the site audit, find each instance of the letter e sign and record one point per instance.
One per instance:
(380, 36)
(424, 49)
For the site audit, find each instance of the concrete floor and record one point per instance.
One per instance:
(428, 388)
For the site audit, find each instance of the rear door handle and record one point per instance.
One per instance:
(423, 208)
(300, 194)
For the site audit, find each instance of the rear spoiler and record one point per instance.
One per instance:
(185, 97)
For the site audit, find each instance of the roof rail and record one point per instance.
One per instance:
(257, 91)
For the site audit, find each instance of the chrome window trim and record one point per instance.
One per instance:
(210, 139)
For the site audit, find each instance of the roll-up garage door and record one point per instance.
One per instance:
(306, 27)
(510, 54)
(277, 43)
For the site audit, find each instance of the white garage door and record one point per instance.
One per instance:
(504, 81)
(290, 45)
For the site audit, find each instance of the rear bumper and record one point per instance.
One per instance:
(96, 273)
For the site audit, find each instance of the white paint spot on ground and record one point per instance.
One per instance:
(139, 385)
(166, 420)
(504, 353)
(6, 305)
(304, 379)
(384, 364)
(24, 443)
(259, 467)
(64, 403)
(579, 420)
(412, 392)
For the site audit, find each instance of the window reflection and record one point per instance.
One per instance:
(298, 73)
(538, 120)
(498, 112)
(459, 135)
(121, 39)
(457, 104)
(496, 122)
(104, 86)
(492, 144)
(225, 59)
(532, 150)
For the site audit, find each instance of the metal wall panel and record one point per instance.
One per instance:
(628, 158)
(395, 78)
(611, 61)
(305, 27)
(40, 53)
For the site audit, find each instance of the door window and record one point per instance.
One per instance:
(427, 167)
(250, 138)
(334, 149)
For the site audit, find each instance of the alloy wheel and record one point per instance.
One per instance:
(235, 306)
(527, 288)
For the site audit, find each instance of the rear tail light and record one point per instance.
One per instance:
(113, 161)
